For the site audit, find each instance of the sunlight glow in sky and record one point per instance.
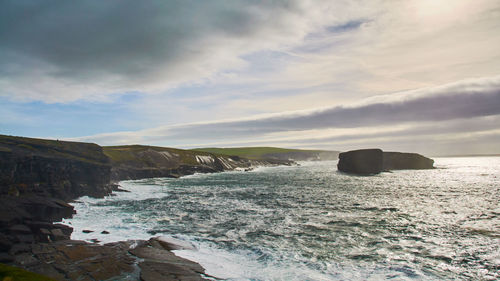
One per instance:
(414, 75)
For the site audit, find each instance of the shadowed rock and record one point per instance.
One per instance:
(158, 263)
(406, 161)
(374, 161)
(363, 161)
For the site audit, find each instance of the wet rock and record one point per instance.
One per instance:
(58, 235)
(157, 271)
(173, 244)
(77, 260)
(160, 264)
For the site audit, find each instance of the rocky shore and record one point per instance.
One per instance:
(39, 177)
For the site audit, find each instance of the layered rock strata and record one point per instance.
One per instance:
(37, 179)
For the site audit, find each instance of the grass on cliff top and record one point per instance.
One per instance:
(86, 152)
(130, 153)
(251, 152)
(11, 273)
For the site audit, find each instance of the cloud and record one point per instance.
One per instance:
(464, 100)
(92, 48)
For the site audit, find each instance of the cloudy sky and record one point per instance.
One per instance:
(408, 75)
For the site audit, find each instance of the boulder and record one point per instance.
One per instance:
(363, 161)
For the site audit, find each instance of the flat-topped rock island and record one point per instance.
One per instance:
(374, 161)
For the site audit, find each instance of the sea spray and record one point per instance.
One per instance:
(311, 222)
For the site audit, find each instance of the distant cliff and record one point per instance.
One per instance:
(374, 161)
(139, 161)
(38, 177)
(274, 153)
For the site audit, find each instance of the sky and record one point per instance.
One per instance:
(406, 75)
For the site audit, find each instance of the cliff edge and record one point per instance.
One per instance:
(37, 179)
(140, 161)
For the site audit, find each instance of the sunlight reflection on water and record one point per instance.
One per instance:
(311, 222)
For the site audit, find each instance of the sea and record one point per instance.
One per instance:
(311, 222)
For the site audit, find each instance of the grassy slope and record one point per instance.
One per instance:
(251, 152)
(129, 153)
(10, 273)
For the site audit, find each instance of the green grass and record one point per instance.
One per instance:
(11, 273)
(130, 153)
(86, 152)
(250, 152)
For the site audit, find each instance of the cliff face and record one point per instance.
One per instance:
(36, 178)
(273, 153)
(406, 161)
(137, 161)
(303, 155)
(63, 170)
(363, 161)
(374, 161)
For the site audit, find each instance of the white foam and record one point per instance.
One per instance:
(182, 244)
(121, 226)
(244, 265)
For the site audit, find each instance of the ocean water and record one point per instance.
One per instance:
(310, 222)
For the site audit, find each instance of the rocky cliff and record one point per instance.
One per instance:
(59, 169)
(374, 161)
(38, 177)
(139, 161)
(273, 153)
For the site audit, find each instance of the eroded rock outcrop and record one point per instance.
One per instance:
(57, 169)
(139, 161)
(374, 161)
(37, 179)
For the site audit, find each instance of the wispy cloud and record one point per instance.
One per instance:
(305, 64)
(465, 100)
(93, 48)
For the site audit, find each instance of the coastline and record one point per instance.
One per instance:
(62, 258)
(38, 178)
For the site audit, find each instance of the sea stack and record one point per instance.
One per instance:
(374, 161)
(363, 161)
